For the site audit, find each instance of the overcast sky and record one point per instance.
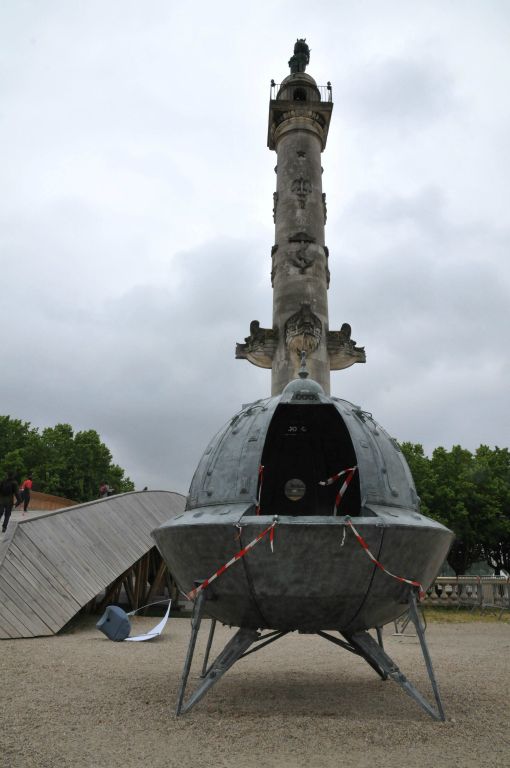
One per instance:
(136, 226)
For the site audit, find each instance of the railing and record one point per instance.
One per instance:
(470, 591)
(325, 91)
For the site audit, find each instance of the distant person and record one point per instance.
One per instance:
(26, 490)
(9, 490)
(104, 490)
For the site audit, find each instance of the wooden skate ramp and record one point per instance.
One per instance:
(52, 564)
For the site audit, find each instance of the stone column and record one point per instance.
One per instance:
(299, 270)
(299, 117)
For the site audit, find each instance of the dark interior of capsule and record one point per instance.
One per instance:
(306, 444)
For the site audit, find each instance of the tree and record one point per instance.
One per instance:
(492, 477)
(62, 462)
(469, 493)
(17, 440)
(422, 473)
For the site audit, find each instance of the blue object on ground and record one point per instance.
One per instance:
(114, 623)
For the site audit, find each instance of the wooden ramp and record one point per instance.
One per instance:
(54, 563)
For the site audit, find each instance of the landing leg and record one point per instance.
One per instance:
(208, 649)
(229, 655)
(196, 620)
(377, 657)
(415, 618)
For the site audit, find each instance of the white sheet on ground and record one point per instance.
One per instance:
(158, 629)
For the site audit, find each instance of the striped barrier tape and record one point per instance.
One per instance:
(376, 562)
(343, 489)
(338, 475)
(269, 530)
(349, 474)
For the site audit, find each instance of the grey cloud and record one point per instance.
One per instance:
(130, 141)
(153, 370)
(433, 313)
(403, 93)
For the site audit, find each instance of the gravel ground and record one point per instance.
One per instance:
(80, 701)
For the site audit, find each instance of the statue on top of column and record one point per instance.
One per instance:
(301, 57)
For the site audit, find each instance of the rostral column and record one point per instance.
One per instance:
(299, 116)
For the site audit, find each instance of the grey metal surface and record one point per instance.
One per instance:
(360, 643)
(310, 581)
(233, 651)
(228, 471)
(318, 576)
(376, 656)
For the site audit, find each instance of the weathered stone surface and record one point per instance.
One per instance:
(259, 346)
(299, 120)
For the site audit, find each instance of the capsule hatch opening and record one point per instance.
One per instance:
(307, 444)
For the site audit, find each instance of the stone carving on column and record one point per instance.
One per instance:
(259, 347)
(275, 205)
(342, 350)
(324, 207)
(303, 258)
(302, 188)
(328, 274)
(303, 331)
(274, 268)
(301, 237)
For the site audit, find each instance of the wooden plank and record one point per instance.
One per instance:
(158, 580)
(25, 609)
(87, 565)
(86, 556)
(26, 625)
(37, 595)
(117, 538)
(146, 511)
(98, 536)
(76, 584)
(29, 601)
(145, 576)
(129, 594)
(67, 557)
(7, 630)
(159, 515)
(62, 561)
(138, 509)
(23, 546)
(51, 590)
(134, 535)
(84, 560)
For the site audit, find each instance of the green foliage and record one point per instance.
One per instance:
(469, 493)
(62, 462)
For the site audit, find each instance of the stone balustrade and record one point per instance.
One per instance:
(470, 591)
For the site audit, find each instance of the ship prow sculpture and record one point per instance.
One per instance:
(302, 514)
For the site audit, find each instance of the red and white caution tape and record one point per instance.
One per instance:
(349, 474)
(338, 475)
(343, 489)
(364, 544)
(269, 530)
(261, 480)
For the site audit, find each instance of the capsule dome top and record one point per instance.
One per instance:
(303, 385)
(303, 389)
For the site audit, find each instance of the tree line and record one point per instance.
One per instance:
(62, 462)
(469, 493)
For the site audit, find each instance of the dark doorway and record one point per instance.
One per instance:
(306, 444)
